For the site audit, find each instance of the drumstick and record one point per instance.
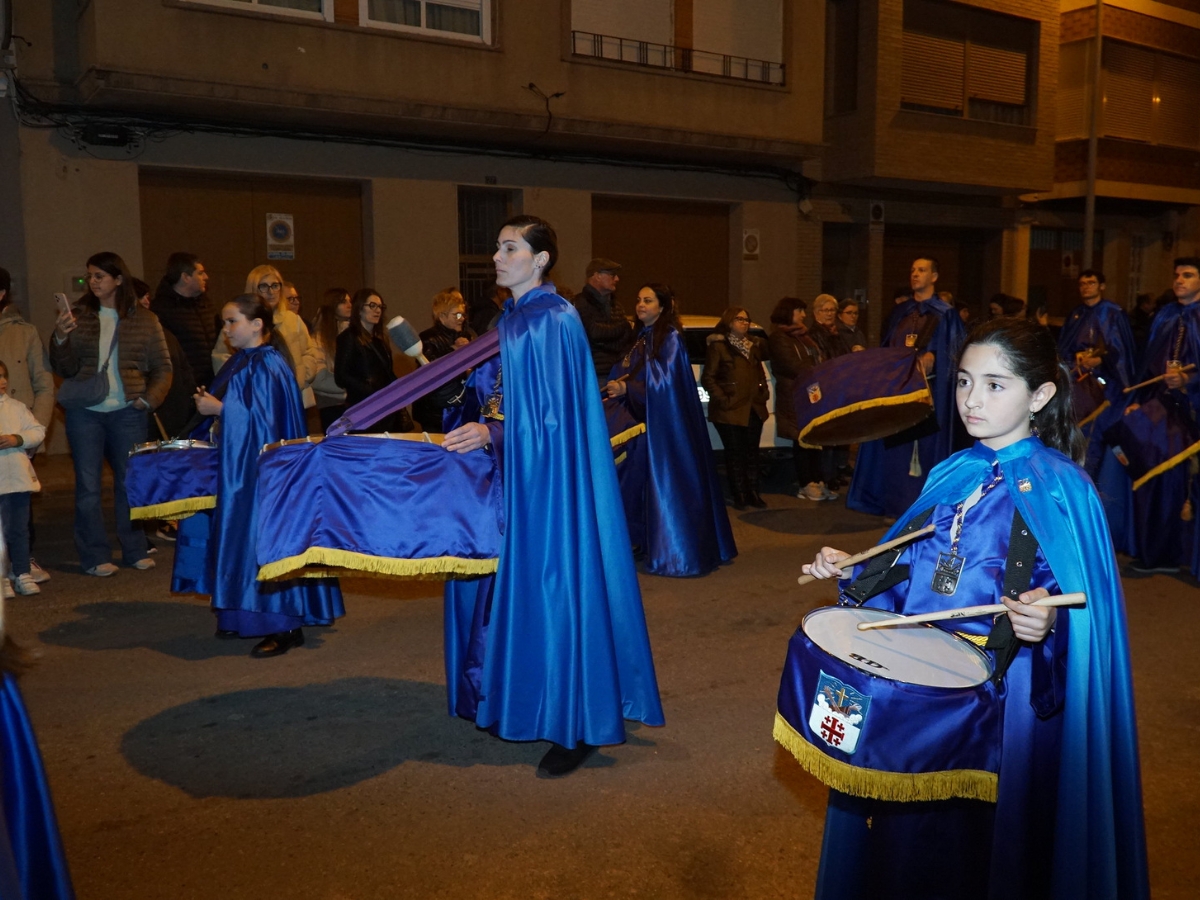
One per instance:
(618, 380)
(161, 430)
(1134, 387)
(1079, 598)
(874, 551)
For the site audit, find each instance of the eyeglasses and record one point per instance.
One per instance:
(373, 305)
(96, 276)
(269, 287)
(455, 315)
(740, 319)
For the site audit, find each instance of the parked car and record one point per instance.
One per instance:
(696, 330)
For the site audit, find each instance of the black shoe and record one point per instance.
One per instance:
(224, 634)
(560, 761)
(755, 499)
(1149, 569)
(278, 644)
(739, 501)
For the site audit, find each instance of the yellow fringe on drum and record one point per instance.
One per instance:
(1099, 409)
(430, 567)
(173, 509)
(970, 784)
(922, 394)
(627, 435)
(1183, 456)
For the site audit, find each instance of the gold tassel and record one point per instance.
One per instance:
(914, 464)
(173, 509)
(971, 784)
(428, 567)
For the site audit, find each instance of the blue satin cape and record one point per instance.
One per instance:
(1161, 538)
(675, 507)
(553, 646)
(33, 865)
(882, 485)
(1099, 847)
(1088, 326)
(261, 405)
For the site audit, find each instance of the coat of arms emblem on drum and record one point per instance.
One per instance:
(838, 713)
(814, 392)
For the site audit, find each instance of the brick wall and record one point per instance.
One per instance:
(1134, 27)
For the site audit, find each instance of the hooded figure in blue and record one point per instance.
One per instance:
(1096, 340)
(1067, 823)
(890, 473)
(554, 646)
(1166, 537)
(255, 400)
(673, 500)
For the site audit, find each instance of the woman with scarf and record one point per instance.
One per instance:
(668, 480)
(736, 383)
(793, 353)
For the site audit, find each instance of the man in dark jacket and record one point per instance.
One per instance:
(608, 329)
(185, 310)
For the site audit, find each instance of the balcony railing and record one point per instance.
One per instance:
(679, 59)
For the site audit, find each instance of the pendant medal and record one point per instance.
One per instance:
(947, 572)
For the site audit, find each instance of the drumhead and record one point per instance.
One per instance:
(915, 654)
(177, 444)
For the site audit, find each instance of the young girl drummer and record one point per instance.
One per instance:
(1068, 818)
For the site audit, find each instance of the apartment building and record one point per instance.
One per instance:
(384, 140)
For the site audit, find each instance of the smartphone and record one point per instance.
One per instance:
(62, 303)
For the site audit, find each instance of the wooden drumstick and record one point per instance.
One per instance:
(1079, 598)
(618, 380)
(1157, 378)
(874, 551)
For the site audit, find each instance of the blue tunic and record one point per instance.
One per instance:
(883, 484)
(1161, 538)
(553, 646)
(1089, 327)
(669, 487)
(261, 405)
(33, 865)
(1070, 783)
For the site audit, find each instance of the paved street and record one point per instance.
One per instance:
(182, 768)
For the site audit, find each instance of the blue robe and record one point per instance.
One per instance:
(1106, 325)
(553, 646)
(33, 865)
(883, 484)
(673, 500)
(1161, 538)
(261, 405)
(1070, 783)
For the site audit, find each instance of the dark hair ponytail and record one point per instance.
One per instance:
(1031, 353)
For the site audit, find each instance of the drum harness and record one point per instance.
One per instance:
(882, 573)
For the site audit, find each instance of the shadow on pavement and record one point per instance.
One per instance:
(183, 630)
(298, 741)
(816, 518)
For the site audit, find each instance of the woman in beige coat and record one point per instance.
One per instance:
(736, 383)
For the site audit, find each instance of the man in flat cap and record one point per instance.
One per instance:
(607, 327)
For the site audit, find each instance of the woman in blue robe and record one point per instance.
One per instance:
(673, 500)
(554, 646)
(1068, 818)
(255, 401)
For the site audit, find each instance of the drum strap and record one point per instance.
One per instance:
(1018, 572)
(881, 572)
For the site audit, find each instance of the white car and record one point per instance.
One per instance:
(696, 330)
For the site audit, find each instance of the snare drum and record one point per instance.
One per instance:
(861, 396)
(905, 713)
(171, 479)
(1155, 438)
(390, 505)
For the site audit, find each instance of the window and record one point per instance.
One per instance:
(968, 62)
(1150, 96)
(463, 19)
(841, 56)
(481, 212)
(309, 9)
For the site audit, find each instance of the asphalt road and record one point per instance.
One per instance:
(181, 768)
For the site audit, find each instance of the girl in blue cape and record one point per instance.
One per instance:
(1068, 818)
(673, 500)
(553, 647)
(257, 402)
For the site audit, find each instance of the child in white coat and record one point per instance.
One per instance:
(20, 432)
